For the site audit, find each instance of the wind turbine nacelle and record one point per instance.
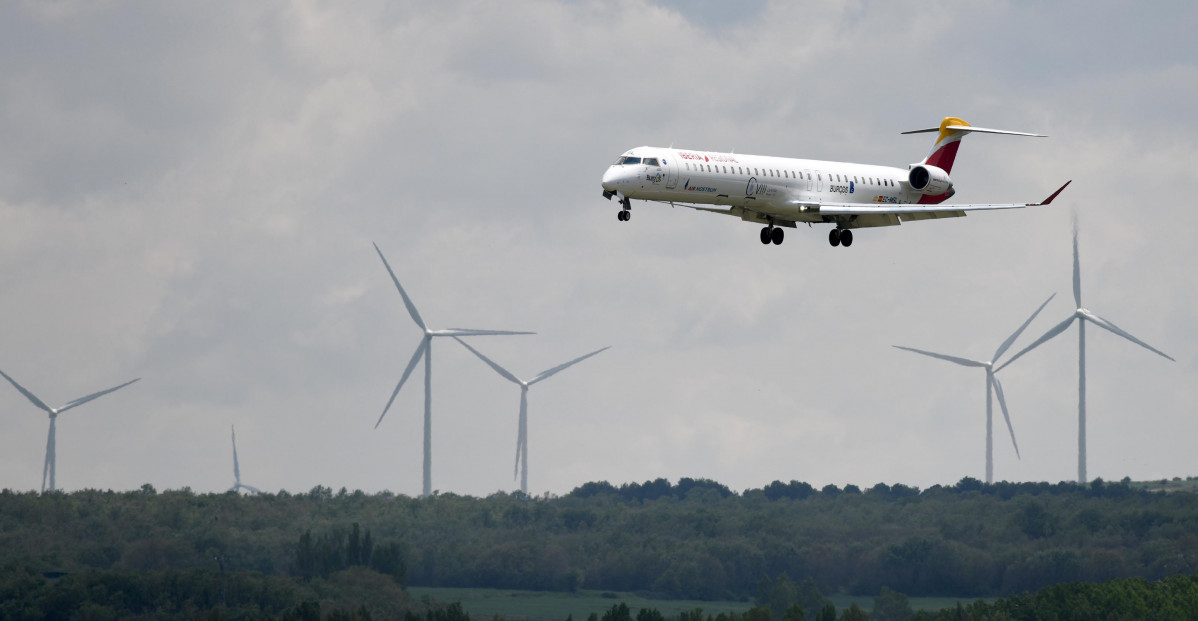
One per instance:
(929, 180)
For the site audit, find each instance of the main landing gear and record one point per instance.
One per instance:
(838, 237)
(772, 234)
(625, 210)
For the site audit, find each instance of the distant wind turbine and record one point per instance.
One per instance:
(237, 470)
(425, 350)
(522, 437)
(48, 468)
(1082, 315)
(992, 386)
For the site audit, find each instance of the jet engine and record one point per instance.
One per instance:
(929, 180)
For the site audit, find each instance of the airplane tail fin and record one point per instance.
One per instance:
(952, 130)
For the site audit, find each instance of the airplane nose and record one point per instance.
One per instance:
(610, 178)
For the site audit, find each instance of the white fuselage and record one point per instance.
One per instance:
(775, 186)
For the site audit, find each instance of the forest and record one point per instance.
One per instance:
(694, 539)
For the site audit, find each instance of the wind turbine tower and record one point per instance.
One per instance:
(48, 468)
(993, 387)
(425, 350)
(1082, 315)
(237, 470)
(522, 436)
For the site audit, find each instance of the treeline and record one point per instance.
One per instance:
(694, 539)
(358, 593)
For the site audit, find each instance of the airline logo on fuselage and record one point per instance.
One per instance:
(717, 157)
(699, 188)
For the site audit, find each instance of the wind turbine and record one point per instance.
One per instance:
(1082, 315)
(425, 350)
(237, 470)
(48, 468)
(992, 386)
(522, 437)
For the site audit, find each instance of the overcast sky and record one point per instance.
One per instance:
(189, 192)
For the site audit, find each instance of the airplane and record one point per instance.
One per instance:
(782, 192)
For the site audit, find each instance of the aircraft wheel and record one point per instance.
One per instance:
(846, 238)
(777, 235)
(834, 237)
(624, 215)
(766, 236)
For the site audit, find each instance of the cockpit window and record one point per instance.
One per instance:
(626, 160)
(651, 161)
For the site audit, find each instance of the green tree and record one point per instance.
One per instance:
(811, 599)
(854, 613)
(891, 606)
(618, 612)
(305, 556)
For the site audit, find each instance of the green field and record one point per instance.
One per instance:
(539, 605)
(1176, 484)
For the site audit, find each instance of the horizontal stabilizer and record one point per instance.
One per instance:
(970, 128)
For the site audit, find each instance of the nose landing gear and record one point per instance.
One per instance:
(625, 210)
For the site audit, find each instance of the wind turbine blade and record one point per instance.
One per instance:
(236, 467)
(498, 369)
(1002, 403)
(420, 351)
(28, 395)
(1011, 339)
(455, 332)
(406, 300)
(561, 367)
(95, 395)
(1057, 329)
(965, 362)
(1103, 323)
(251, 488)
(1077, 268)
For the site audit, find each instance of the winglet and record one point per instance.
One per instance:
(1054, 194)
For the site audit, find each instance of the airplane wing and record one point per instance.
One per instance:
(860, 209)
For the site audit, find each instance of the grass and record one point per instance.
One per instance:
(540, 605)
